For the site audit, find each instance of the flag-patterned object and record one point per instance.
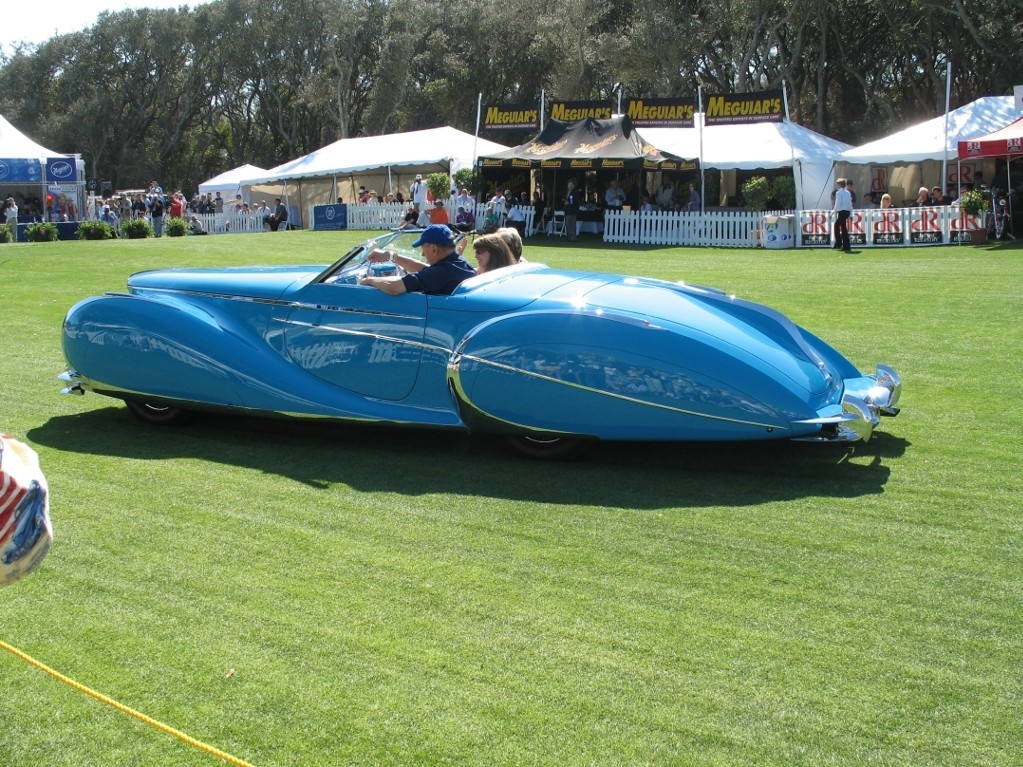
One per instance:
(25, 529)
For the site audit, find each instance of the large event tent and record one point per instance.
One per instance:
(767, 145)
(230, 181)
(913, 157)
(383, 163)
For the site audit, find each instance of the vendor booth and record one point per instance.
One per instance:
(43, 183)
(592, 153)
(381, 163)
(903, 162)
(1005, 144)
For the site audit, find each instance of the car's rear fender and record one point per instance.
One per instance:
(613, 376)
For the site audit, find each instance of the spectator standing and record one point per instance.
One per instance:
(11, 212)
(464, 199)
(417, 192)
(176, 209)
(852, 194)
(694, 199)
(572, 199)
(665, 196)
(843, 209)
(218, 204)
(614, 197)
(156, 212)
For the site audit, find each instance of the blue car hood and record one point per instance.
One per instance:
(255, 281)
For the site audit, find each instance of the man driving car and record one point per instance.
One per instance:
(442, 273)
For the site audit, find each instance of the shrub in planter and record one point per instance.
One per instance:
(784, 191)
(175, 227)
(974, 203)
(439, 185)
(755, 193)
(42, 231)
(136, 229)
(95, 230)
(6, 235)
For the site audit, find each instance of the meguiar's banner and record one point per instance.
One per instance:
(662, 113)
(568, 111)
(511, 117)
(739, 108)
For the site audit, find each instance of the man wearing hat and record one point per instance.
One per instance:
(442, 273)
(417, 192)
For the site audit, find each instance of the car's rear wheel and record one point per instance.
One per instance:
(159, 415)
(550, 448)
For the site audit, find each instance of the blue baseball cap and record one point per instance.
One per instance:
(436, 234)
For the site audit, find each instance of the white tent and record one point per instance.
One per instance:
(913, 157)
(230, 180)
(809, 154)
(16, 145)
(31, 171)
(382, 163)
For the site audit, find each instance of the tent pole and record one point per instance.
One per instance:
(944, 146)
(699, 116)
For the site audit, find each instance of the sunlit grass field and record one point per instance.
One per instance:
(336, 595)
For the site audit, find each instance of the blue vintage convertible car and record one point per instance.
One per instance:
(550, 358)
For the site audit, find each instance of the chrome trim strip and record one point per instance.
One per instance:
(453, 366)
(366, 334)
(268, 301)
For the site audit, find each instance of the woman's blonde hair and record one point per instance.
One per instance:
(513, 240)
(494, 244)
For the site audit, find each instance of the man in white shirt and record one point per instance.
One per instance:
(464, 200)
(614, 197)
(843, 209)
(417, 192)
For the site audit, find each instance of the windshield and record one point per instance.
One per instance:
(352, 264)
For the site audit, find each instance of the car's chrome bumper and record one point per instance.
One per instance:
(864, 402)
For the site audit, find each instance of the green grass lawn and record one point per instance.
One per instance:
(332, 595)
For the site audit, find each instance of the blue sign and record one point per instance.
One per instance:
(20, 170)
(331, 217)
(61, 170)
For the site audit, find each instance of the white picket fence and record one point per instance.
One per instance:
(725, 228)
(720, 228)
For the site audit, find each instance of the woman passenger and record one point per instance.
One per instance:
(491, 253)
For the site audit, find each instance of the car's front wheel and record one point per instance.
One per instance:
(159, 415)
(550, 448)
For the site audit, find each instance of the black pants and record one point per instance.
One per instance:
(842, 230)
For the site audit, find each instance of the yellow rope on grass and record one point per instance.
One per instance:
(124, 709)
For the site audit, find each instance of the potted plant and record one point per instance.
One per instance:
(975, 203)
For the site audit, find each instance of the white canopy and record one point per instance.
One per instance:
(904, 162)
(382, 163)
(928, 140)
(809, 154)
(230, 180)
(15, 145)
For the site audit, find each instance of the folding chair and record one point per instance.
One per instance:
(558, 224)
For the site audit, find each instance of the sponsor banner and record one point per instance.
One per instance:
(814, 229)
(897, 227)
(511, 117)
(62, 188)
(60, 170)
(741, 108)
(662, 113)
(569, 111)
(925, 226)
(330, 217)
(888, 227)
(19, 169)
